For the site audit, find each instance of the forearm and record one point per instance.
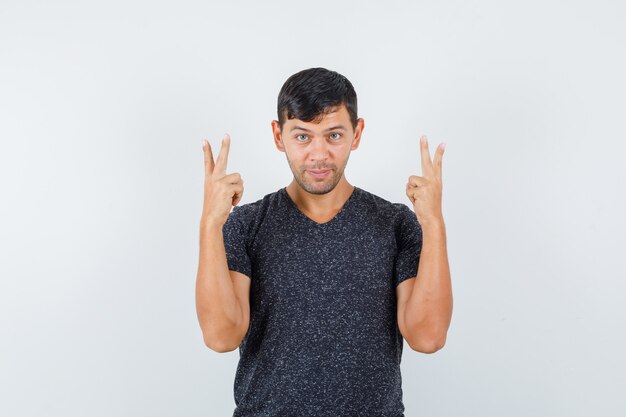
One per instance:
(218, 309)
(429, 309)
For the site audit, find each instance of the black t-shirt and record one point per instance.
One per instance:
(323, 337)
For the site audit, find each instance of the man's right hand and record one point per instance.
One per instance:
(221, 191)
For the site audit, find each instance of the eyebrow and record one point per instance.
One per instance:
(337, 127)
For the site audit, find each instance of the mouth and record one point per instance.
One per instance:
(319, 174)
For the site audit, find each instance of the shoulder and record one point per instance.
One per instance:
(397, 213)
(399, 218)
(251, 213)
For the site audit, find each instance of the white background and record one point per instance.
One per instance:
(103, 106)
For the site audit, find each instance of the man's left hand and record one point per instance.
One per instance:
(425, 191)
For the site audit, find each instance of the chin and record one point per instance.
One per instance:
(319, 187)
(318, 191)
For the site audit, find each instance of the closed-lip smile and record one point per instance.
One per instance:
(319, 174)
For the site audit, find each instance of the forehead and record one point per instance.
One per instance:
(337, 115)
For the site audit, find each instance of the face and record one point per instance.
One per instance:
(318, 153)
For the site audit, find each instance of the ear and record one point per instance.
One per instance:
(358, 130)
(277, 136)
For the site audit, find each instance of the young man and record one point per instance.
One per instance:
(318, 283)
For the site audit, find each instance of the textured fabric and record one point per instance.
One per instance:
(323, 338)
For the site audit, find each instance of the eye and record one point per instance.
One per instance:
(298, 138)
(336, 138)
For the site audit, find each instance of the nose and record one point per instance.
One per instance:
(318, 150)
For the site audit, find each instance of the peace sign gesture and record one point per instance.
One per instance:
(425, 191)
(221, 191)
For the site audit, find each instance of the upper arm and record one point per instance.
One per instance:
(403, 293)
(241, 285)
(409, 241)
(235, 232)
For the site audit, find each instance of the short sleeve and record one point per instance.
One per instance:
(409, 244)
(235, 233)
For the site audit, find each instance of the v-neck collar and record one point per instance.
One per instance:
(308, 219)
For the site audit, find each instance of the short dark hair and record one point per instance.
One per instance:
(310, 94)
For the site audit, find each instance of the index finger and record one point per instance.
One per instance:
(222, 158)
(209, 164)
(427, 165)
